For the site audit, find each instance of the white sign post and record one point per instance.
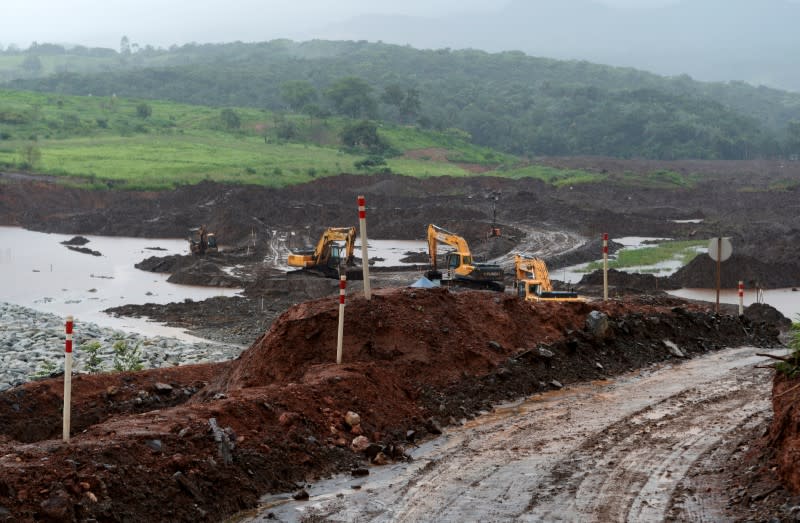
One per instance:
(719, 249)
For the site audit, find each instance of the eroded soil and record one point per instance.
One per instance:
(203, 442)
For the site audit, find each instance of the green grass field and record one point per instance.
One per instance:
(134, 144)
(683, 251)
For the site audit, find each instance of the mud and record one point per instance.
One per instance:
(414, 360)
(144, 446)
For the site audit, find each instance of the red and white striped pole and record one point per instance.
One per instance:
(340, 334)
(67, 379)
(605, 266)
(741, 297)
(362, 222)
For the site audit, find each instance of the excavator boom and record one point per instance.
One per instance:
(532, 281)
(327, 255)
(459, 264)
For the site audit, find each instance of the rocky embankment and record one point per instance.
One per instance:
(32, 346)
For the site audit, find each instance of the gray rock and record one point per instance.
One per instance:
(597, 324)
(674, 349)
(544, 353)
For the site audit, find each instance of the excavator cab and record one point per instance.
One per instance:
(201, 241)
(334, 249)
(338, 256)
(461, 268)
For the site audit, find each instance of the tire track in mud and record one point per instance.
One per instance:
(539, 243)
(629, 471)
(609, 451)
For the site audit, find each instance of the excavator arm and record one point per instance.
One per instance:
(321, 255)
(438, 235)
(532, 281)
(533, 269)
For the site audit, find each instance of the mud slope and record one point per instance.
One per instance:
(198, 443)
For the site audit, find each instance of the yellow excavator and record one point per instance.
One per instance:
(460, 267)
(532, 282)
(334, 249)
(201, 241)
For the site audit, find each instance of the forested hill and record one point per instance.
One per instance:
(516, 103)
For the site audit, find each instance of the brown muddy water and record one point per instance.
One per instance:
(37, 271)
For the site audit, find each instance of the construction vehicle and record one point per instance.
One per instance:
(201, 241)
(334, 250)
(532, 282)
(460, 267)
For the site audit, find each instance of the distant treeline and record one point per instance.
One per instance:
(510, 101)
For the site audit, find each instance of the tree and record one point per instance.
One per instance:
(124, 46)
(298, 94)
(230, 119)
(363, 134)
(793, 137)
(31, 154)
(405, 100)
(143, 110)
(32, 64)
(351, 97)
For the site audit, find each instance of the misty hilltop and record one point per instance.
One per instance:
(710, 40)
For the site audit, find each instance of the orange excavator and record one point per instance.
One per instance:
(334, 250)
(532, 282)
(201, 241)
(460, 267)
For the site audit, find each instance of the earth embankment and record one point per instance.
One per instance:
(414, 360)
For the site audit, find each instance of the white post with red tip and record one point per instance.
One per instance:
(67, 379)
(340, 334)
(362, 222)
(741, 297)
(605, 266)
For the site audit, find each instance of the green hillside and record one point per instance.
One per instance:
(135, 144)
(509, 101)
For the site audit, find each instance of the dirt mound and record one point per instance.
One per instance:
(480, 328)
(621, 282)
(76, 240)
(590, 251)
(204, 272)
(274, 418)
(701, 272)
(784, 433)
(762, 312)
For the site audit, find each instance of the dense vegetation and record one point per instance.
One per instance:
(509, 101)
(136, 144)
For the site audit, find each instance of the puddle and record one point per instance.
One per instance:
(37, 271)
(574, 273)
(785, 300)
(391, 252)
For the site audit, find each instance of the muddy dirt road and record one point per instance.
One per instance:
(594, 452)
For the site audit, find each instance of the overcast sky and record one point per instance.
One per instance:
(161, 23)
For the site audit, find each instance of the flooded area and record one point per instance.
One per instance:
(568, 455)
(37, 271)
(390, 253)
(574, 273)
(785, 300)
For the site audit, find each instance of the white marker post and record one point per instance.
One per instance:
(741, 298)
(605, 266)
(362, 222)
(67, 379)
(340, 334)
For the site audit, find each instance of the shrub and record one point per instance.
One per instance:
(126, 357)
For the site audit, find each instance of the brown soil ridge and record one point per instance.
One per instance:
(414, 359)
(784, 432)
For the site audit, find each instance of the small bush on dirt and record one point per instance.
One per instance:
(44, 370)
(791, 365)
(127, 357)
(93, 363)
